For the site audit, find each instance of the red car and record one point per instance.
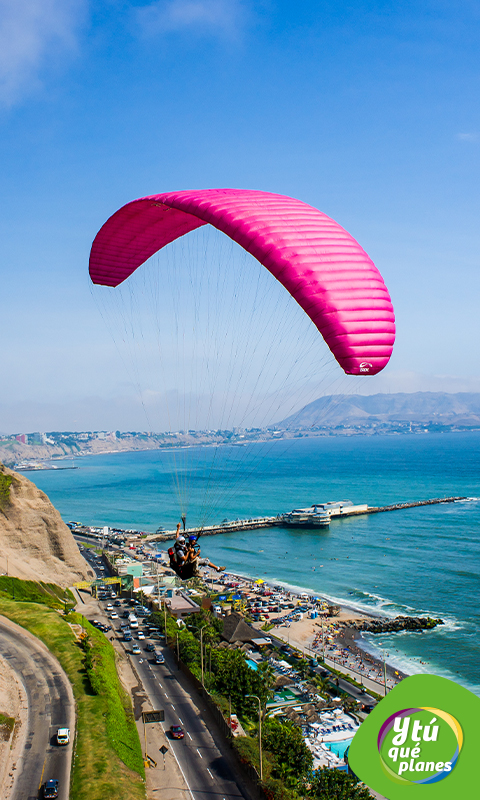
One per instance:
(176, 732)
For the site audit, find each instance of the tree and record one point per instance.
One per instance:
(302, 668)
(293, 759)
(266, 677)
(334, 784)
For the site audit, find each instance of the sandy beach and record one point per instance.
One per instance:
(328, 638)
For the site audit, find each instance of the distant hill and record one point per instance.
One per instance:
(400, 410)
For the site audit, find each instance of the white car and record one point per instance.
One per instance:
(141, 635)
(136, 650)
(63, 735)
(109, 607)
(114, 615)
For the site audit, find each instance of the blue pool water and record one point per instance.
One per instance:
(339, 747)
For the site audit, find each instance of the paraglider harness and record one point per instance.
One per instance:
(188, 569)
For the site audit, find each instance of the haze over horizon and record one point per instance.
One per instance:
(369, 113)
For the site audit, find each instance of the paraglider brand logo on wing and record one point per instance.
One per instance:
(419, 745)
(365, 366)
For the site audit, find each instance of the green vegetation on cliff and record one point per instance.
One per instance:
(108, 759)
(5, 483)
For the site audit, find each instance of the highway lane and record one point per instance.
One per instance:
(50, 706)
(204, 766)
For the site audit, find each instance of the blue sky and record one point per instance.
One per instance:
(368, 111)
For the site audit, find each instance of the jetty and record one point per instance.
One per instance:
(335, 510)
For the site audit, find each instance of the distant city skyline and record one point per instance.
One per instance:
(369, 113)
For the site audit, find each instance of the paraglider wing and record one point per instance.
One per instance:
(319, 263)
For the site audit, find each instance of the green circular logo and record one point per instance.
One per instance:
(419, 745)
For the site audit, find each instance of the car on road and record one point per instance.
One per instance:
(159, 659)
(117, 603)
(50, 788)
(113, 615)
(63, 735)
(140, 636)
(109, 607)
(127, 637)
(176, 732)
(150, 648)
(136, 650)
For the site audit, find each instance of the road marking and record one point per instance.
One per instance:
(180, 768)
(181, 721)
(189, 736)
(41, 776)
(199, 753)
(210, 773)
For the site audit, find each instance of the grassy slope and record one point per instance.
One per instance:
(107, 760)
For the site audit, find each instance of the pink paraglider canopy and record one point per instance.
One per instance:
(318, 262)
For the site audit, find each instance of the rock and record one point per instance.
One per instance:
(33, 536)
(385, 625)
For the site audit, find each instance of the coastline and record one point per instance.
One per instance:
(345, 648)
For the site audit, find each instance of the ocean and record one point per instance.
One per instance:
(415, 561)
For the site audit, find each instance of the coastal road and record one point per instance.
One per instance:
(50, 706)
(202, 755)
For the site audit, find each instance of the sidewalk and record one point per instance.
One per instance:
(166, 779)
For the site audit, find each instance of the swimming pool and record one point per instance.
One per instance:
(252, 664)
(339, 747)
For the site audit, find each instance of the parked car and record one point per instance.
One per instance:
(63, 736)
(50, 789)
(176, 732)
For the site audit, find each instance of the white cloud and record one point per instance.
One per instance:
(32, 32)
(468, 137)
(219, 17)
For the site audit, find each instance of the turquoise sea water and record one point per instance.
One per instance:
(416, 561)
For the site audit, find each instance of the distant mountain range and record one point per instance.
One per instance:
(436, 410)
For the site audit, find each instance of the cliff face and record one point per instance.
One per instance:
(33, 537)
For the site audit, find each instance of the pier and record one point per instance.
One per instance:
(277, 521)
(224, 527)
(398, 506)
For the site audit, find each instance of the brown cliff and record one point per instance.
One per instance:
(33, 538)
